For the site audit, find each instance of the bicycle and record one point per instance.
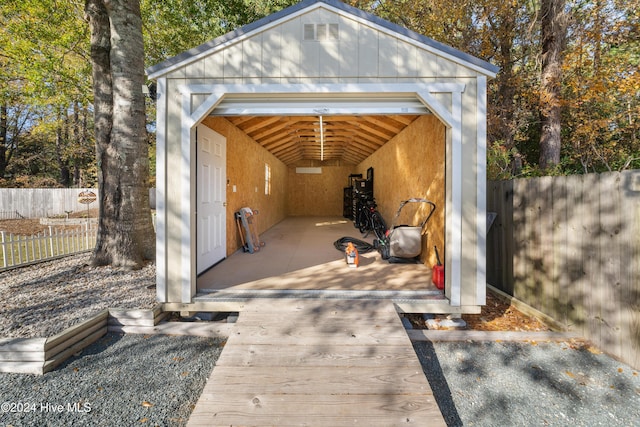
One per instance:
(369, 219)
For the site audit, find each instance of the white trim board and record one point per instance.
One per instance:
(450, 115)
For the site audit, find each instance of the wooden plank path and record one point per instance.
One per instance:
(317, 363)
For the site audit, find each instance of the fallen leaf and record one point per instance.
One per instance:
(147, 404)
(570, 374)
(184, 374)
(620, 370)
(594, 350)
(144, 420)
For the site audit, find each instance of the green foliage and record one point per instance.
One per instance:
(44, 64)
(173, 26)
(45, 75)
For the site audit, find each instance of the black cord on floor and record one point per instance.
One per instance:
(362, 246)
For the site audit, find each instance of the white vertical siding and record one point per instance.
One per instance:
(272, 51)
(348, 47)
(280, 54)
(290, 53)
(252, 57)
(367, 52)
(387, 56)
(427, 63)
(213, 65)
(233, 61)
(407, 65)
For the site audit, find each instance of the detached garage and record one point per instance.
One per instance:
(280, 116)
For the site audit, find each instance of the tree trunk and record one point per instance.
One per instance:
(62, 140)
(3, 140)
(125, 234)
(554, 29)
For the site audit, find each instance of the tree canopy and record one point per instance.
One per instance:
(46, 105)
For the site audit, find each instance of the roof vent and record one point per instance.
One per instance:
(321, 32)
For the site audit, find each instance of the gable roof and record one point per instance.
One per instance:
(195, 53)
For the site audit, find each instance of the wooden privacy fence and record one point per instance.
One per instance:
(20, 250)
(570, 247)
(45, 202)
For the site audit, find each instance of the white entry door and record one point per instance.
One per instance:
(211, 198)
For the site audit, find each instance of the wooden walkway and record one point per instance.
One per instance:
(317, 363)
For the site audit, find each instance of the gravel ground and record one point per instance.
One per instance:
(529, 384)
(46, 298)
(121, 380)
(154, 380)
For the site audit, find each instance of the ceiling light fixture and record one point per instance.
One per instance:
(321, 140)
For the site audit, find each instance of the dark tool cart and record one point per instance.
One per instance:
(347, 208)
(362, 191)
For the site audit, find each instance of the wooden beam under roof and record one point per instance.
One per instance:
(351, 138)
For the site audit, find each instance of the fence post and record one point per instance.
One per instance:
(4, 250)
(33, 249)
(51, 241)
(19, 251)
(13, 261)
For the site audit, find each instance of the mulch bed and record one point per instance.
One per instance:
(496, 315)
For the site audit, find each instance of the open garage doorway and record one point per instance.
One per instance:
(303, 213)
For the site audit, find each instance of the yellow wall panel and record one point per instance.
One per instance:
(413, 165)
(317, 194)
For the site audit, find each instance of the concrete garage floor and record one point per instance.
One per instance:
(299, 255)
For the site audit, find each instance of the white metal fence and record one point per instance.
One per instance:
(53, 243)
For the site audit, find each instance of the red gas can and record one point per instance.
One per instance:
(437, 274)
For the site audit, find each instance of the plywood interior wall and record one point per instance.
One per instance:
(413, 165)
(246, 172)
(317, 194)
(410, 165)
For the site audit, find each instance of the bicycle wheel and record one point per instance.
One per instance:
(379, 226)
(363, 221)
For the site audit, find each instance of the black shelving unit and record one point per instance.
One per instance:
(347, 208)
(362, 192)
